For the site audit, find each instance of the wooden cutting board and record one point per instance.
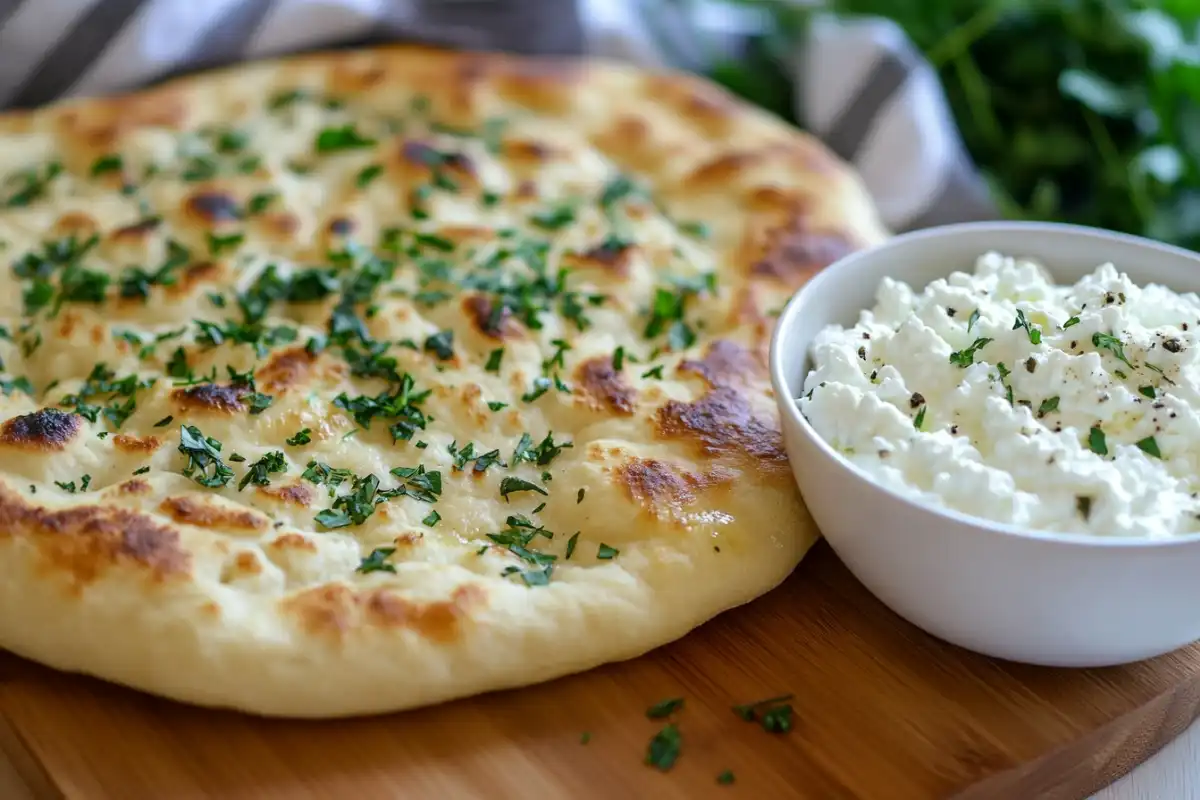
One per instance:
(881, 711)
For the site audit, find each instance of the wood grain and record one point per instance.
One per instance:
(882, 710)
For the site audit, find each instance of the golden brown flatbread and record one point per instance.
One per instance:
(360, 381)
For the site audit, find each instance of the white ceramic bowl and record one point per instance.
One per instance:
(1001, 590)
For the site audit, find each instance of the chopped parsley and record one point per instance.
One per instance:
(618, 359)
(571, 545)
(517, 538)
(432, 518)
(1104, 341)
(107, 163)
(1048, 405)
(419, 484)
(300, 437)
(919, 420)
(697, 230)
(218, 243)
(165, 421)
(377, 561)
(260, 202)
(117, 395)
(664, 708)
(965, 358)
(512, 484)
(726, 777)
(663, 750)
(441, 344)
(204, 464)
(606, 553)
(774, 714)
(554, 218)
(1147, 391)
(367, 174)
(324, 475)
(1097, 442)
(400, 405)
(496, 405)
(356, 506)
(1033, 331)
(1071, 321)
(1149, 446)
(345, 137)
(972, 320)
(259, 472)
(69, 486)
(654, 372)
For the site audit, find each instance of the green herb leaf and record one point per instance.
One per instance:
(663, 750)
(725, 778)
(511, 485)
(606, 553)
(259, 472)
(367, 174)
(218, 243)
(1104, 341)
(965, 358)
(1047, 406)
(920, 418)
(300, 437)
(1147, 391)
(1149, 446)
(204, 464)
(494, 358)
(571, 545)
(1031, 330)
(664, 708)
(376, 561)
(109, 163)
(260, 202)
(1070, 321)
(431, 519)
(345, 137)
(1097, 442)
(972, 320)
(441, 344)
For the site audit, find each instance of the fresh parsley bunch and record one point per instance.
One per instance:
(1084, 111)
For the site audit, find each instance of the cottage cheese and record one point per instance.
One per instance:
(1004, 396)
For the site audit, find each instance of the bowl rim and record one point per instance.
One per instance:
(788, 405)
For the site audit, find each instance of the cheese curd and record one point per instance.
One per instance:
(1005, 396)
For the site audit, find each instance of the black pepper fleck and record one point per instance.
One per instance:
(953, 429)
(866, 335)
(1172, 346)
(1074, 345)
(950, 312)
(862, 353)
(916, 400)
(1031, 364)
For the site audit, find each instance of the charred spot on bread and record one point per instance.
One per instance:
(606, 387)
(213, 207)
(44, 429)
(211, 397)
(721, 422)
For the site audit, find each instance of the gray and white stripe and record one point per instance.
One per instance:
(56, 48)
(893, 124)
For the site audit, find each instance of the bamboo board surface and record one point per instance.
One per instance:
(881, 710)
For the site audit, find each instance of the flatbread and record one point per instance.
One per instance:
(512, 313)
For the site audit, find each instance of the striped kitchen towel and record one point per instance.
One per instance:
(862, 88)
